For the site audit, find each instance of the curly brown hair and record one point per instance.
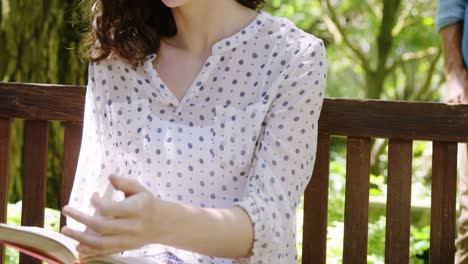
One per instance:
(129, 28)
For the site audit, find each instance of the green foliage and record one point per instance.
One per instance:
(385, 49)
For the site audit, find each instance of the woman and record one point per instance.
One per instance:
(208, 110)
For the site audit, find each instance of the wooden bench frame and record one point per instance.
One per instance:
(358, 120)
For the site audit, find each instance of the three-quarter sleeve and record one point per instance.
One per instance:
(449, 12)
(285, 156)
(89, 164)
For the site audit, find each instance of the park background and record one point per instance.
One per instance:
(385, 49)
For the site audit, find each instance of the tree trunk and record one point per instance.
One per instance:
(39, 43)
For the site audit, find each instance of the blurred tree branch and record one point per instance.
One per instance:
(335, 24)
(420, 94)
(413, 56)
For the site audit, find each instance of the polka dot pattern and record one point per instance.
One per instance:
(244, 134)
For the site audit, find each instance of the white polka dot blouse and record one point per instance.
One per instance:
(244, 134)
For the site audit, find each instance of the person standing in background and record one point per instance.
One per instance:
(450, 17)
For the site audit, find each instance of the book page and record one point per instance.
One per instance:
(37, 239)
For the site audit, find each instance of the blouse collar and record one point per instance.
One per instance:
(239, 37)
(234, 40)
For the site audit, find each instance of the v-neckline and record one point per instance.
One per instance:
(199, 78)
(216, 51)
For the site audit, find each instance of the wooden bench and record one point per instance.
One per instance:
(358, 120)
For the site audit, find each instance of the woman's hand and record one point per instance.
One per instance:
(457, 87)
(116, 226)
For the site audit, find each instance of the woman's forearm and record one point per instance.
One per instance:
(142, 219)
(218, 232)
(451, 45)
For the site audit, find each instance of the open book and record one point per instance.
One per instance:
(54, 247)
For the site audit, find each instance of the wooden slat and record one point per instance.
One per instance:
(397, 235)
(356, 201)
(394, 119)
(443, 198)
(316, 207)
(346, 117)
(34, 178)
(42, 101)
(5, 126)
(72, 142)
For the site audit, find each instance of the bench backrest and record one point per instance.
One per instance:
(358, 120)
(401, 123)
